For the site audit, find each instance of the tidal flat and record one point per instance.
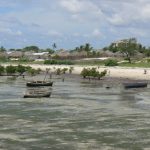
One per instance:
(79, 115)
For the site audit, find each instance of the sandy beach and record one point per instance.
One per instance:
(117, 72)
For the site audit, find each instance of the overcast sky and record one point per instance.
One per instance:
(70, 23)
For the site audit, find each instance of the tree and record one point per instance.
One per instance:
(2, 49)
(54, 45)
(31, 48)
(113, 48)
(147, 52)
(2, 69)
(10, 69)
(50, 51)
(71, 69)
(64, 70)
(81, 48)
(128, 48)
(88, 47)
(21, 69)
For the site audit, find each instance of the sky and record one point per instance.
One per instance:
(71, 23)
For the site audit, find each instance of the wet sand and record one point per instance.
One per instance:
(121, 73)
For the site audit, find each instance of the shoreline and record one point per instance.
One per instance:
(127, 73)
(112, 72)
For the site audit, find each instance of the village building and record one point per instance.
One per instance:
(63, 54)
(123, 41)
(36, 56)
(15, 55)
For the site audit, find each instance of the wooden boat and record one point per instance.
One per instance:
(37, 94)
(135, 85)
(39, 83)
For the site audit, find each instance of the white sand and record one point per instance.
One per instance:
(124, 72)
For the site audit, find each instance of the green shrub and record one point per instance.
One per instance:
(148, 60)
(111, 62)
(64, 70)
(2, 69)
(3, 59)
(58, 62)
(11, 69)
(21, 69)
(23, 59)
(71, 69)
(32, 71)
(58, 71)
(87, 72)
(102, 74)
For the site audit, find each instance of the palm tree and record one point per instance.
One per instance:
(54, 46)
(81, 48)
(88, 47)
(2, 49)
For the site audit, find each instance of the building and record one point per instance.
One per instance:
(119, 42)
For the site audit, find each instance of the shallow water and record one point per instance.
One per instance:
(77, 116)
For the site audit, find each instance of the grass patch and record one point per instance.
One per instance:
(90, 62)
(139, 64)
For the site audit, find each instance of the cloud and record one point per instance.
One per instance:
(55, 34)
(85, 9)
(99, 21)
(9, 31)
(77, 6)
(97, 33)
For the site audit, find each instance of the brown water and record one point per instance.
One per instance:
(77, 116)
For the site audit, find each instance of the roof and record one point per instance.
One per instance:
(40, 54)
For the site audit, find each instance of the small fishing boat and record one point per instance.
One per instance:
(37, 94)
(39, 83)
(135, 85)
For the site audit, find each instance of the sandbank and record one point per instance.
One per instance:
(116, 72)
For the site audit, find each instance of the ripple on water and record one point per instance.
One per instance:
(77, 116)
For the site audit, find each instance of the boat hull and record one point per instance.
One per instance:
(37, 95)
(35, 84)
(135, 85)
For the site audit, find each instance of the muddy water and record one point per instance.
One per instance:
(77, 116)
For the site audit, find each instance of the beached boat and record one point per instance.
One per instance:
(135, 85)
(37, 94)
(39, 83)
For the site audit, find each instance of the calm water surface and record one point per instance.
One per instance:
(78, 116)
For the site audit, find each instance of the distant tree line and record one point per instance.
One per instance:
(129, 48)
(18, 70)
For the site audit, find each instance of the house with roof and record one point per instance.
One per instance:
(36, 56)
(15, 54)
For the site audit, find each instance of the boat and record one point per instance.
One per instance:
(37, 94)
(135, 85)
(39, 83)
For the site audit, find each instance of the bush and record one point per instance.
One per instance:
(111, 62)
(21, 69)
(23, 59)
(148, 60)
(11, 69)
(58, 62)
(71, 69)
(64, 70)
(87, 72)
(102, 74)
(32, 71)
(58, 71)
(2, 69)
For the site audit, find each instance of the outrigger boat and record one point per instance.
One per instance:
(37, 94)
(39, 83)
(135, 85)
